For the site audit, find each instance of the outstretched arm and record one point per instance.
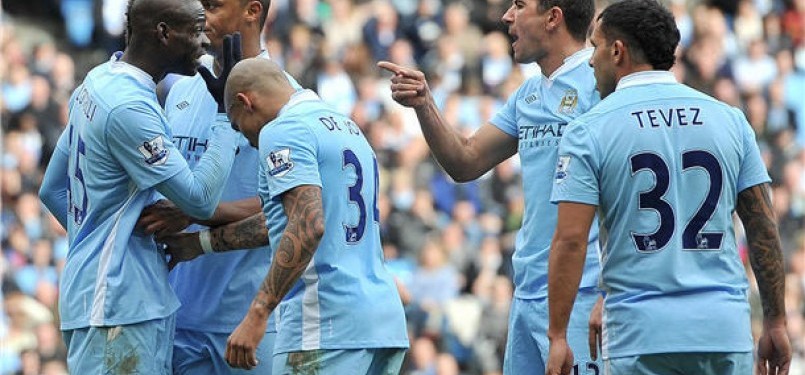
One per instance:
(463, 158)
(765, 255)
(298, 244)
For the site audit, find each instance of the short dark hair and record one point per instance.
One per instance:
(578, 14)
(647, 27)
(264, 13)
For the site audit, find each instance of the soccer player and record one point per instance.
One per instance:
(551, 33)
(215, 291)
(666, 166)
(339, 309)
(115, 303)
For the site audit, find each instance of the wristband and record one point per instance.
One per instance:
(204, 240)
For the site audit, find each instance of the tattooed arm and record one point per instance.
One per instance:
(298, 244)
(249, 233)
(765, 255)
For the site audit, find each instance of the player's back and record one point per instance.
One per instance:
(671, 161)
(110, 181)
(346, 298)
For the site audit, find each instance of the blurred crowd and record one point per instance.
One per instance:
(449, 244)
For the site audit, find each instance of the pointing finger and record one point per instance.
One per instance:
(391, 67)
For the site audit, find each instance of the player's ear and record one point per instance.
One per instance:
(245, 101)
(618, 51)
(253, 10)
(163, 31)
(555, 17)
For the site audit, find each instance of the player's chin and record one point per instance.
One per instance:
(190, 68)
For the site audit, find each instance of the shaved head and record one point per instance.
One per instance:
(258, 75)
(255, 92)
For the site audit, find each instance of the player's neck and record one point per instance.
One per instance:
(631, 69)
(557, 56)
(145, 63)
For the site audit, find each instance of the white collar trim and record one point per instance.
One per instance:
(298, 97)
(138, 74)
(645, 78)
(581, 56)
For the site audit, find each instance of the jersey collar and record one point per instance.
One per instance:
(581, 56)
(298, 97)
(645, 78)
(138, 74)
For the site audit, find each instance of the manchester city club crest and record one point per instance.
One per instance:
(569, 102)
(154, 151)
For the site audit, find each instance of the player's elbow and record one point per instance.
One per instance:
(462, 173)
(48, 197)
(570, 239)
(317, 229)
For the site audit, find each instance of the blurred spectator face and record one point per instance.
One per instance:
(401, 53)
(757, 109)
(433, 255)
(300, 38)
(386, 15)
(757, 50)
(63, 72)
(527, 27)
(456, 18)
(44, 57)
(726, 91)
(40, 95)
(497, 45)
(42, 253)
(463, 212)
(785, 62)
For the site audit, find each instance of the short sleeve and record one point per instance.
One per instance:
(577, 171)
(289, 151)
(138, 140)
(752, 170)
(506, 118)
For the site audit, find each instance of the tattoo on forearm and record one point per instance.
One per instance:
(755, 210)
(303, 206)
(248, 233)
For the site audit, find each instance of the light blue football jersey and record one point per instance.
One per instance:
(119, 148)
(215, 290)
(345, 299)
(664, 164)
(538, 114)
